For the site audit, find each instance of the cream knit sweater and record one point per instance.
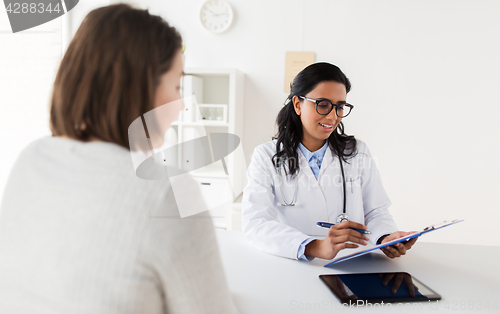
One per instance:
(80, 233)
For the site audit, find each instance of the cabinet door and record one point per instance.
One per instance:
(218, 196)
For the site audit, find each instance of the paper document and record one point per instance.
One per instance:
(295, 62)
(369, 248)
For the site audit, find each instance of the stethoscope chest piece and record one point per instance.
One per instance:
(342, 217)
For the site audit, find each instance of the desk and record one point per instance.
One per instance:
(466, 276)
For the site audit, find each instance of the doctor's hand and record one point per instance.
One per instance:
(400, 248)
(338, 238)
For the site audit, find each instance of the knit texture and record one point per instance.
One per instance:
(81, 233)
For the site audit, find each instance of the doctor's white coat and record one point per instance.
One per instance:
(280, 230)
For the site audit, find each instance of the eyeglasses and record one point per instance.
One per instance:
(324, 107)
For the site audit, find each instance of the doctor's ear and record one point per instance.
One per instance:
(296, 104)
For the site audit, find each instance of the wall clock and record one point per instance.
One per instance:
(216, 15)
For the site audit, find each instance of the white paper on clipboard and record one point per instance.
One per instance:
(411, 236)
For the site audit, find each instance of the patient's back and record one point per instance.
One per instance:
(80, 233)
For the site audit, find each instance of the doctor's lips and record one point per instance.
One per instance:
(327, 127)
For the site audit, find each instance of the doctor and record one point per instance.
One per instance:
(312, 171)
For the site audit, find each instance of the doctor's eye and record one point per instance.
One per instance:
(324, 107)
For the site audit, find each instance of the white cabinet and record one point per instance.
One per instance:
(218, 109)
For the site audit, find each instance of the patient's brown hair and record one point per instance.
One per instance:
(110, 72)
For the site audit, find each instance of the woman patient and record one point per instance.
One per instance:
(79, 231)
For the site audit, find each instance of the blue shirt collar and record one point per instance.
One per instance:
(320, 153)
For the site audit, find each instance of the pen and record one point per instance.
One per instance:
(328, 225)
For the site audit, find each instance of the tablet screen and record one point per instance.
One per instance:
(379, 287)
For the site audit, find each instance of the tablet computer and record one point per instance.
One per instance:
(378, 287)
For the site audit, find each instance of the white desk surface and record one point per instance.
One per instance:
(466, 276)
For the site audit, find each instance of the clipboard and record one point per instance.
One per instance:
(408, 237)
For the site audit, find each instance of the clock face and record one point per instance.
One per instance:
(216, 15)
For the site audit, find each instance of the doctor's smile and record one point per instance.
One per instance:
(327, 127)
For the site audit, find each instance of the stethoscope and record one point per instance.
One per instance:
(340, 218)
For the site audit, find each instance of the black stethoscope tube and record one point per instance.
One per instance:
(343, 183)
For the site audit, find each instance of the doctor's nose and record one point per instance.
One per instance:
(332, 116)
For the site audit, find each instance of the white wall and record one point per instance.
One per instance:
(28, 64)
(425, 78)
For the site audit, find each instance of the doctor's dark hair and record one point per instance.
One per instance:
(290, 130)
(110, 72)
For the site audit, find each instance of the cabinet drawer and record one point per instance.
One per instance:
(215, 192)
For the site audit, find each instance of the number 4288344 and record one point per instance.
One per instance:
(33, 8)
